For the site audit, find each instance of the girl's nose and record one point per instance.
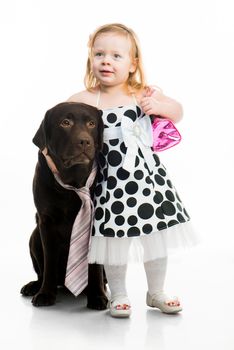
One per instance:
(106, 59)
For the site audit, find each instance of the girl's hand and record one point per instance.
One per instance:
(149, 103)
(154, 102)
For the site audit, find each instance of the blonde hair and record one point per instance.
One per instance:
(136, 80)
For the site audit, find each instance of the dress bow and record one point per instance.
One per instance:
(137, 134)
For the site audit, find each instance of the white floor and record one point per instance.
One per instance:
(202, 279)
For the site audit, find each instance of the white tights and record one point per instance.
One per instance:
(155, 274)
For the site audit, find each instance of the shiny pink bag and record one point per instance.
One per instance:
(165, 134)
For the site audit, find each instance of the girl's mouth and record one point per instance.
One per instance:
(106, 72)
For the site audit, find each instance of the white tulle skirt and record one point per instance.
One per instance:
(119, 251)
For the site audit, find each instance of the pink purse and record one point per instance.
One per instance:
(165, 134)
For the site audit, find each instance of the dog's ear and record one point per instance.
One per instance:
(100, 130)
(40, 138)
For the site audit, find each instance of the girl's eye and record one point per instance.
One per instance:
(116, 55)
(66, 123)
(91, 124)
(98, 54)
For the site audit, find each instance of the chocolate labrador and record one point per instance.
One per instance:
(72, 134)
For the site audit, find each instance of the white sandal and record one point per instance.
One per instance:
(161, 302)
(120, 306)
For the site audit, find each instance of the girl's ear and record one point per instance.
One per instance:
(133, 66)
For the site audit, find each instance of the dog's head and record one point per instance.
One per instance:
(72, 133)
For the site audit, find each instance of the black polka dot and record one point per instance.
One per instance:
(118, 124)
(122, 174)
(138, 111)
(102, 200)
(147, 228)
(111, 118)
(172, 223)
(168, 208)
(160, 181)
(117, 207)
(146, 192)
(161, 225)
(169, 183)
(119, 220)
(107, 196)
(99, 213)
(114, 142)
(131, 202)
(180, 218)
(145, 211)
(101, 160)
(131, 187)
(132, 220)
(162, 172)
(109, 232)
(98, 190)
(118, 193)
(120, 233)
(137, 161)
(186, 213)
(114, 158)
(133, 232)
(105, 149)
(156, 158)
(123, 148)
(159, 213)
(107, 215)
(140, 153)
(177, 196)
(100, 177)
(101, 228)
(131, 114)
(179, 206)
(111, 182)
(158, 197)
(138, 174)
(105, 174)
(148, 180)
(170, 196)
(93, 231)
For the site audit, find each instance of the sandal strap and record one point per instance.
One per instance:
(120, 300)
(162, 297)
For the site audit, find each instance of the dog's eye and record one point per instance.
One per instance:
(66, 123)
(91, 124)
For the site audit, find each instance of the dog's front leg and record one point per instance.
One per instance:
(47, 294)
(96, 295)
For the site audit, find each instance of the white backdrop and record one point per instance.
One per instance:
(188, 50)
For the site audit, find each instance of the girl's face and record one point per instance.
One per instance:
(112, 60)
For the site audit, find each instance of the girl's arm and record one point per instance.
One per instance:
(156, 103)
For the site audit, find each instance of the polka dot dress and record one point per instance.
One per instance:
(132, 204)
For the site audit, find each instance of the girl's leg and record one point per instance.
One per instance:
(116, 278)
(155, 274)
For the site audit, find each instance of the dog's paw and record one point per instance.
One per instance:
(97, 302)
(43, 299)
(31, 288)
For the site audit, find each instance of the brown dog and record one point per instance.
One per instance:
(72, 133)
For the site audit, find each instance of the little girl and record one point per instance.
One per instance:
(135, 202)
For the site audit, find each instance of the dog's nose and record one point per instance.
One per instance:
(84, 142)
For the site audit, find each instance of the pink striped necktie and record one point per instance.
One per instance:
(77, 264)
